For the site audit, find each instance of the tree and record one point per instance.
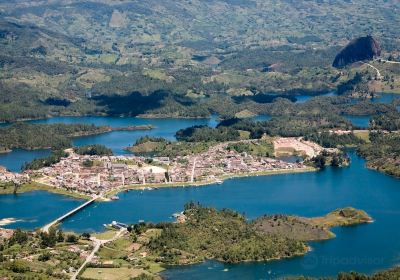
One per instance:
(319, 161)
(44, 257)
(88, 163)
(19, 237)
(49, 239)
(85, 235)
(71, 238)
(60, 236)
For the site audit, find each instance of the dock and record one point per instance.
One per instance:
(70, 213)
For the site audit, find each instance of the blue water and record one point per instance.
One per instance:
(359, 121)
(305, 98)
(35, 209)
(364, 248)
(16, 159)
(385, 98)
(117, 140)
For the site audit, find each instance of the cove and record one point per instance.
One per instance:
(14, 160)
(116, 140)
(364, 248)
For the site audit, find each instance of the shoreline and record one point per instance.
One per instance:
(143, 116)
(307, 250)
(208, 183)
(6, 151)
(106, 130)
(36, 186)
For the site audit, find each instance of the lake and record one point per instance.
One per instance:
(364, 248)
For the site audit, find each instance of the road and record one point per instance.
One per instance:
(378, 73)
(194, 167)
(389, 61)
(97, 244)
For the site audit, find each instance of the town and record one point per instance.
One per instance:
(100, 175)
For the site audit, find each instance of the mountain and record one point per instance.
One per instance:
(363, 48)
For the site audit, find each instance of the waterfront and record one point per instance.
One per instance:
(363, 248)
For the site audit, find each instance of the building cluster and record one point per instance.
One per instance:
(5, 234)
(100, 174)
(7, 176)
(218, 162)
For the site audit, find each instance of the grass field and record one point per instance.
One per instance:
(106, 235)
(362, 134)
(112, 273)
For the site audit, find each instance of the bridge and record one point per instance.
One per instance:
(70, 213)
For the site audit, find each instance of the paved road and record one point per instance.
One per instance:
(97, 244)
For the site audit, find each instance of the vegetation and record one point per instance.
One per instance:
(306, 229)
(124, 71)
(161, 147)
(389, 122)
(382, 152)
(263, 148)
(287, 126)
(333, 140)
(224, 235)
(207, 134)
(45, 136)
(11, 188)
(39, 163)
(50, 256)
(390, 274)
(93, 150)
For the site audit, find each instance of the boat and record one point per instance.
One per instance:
(219, 182)
(114, 197)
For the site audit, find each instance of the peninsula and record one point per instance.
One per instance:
(105, 175)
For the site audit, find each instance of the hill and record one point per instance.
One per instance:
(363, 48)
